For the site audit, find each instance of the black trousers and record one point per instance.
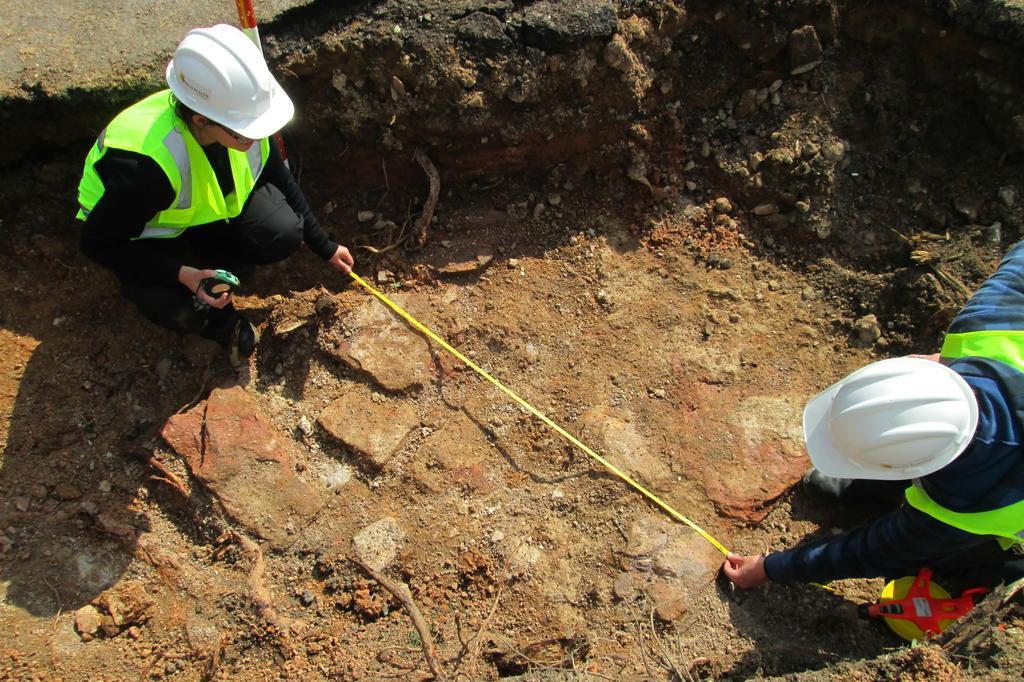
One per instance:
(266, 231)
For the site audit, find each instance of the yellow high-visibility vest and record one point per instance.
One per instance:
(152, 128)
(1006, 523)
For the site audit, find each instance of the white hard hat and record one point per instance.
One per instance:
(220, 73)
(896, 419)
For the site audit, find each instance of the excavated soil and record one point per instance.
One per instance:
(663, 224)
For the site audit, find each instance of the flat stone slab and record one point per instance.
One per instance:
(458, 452)
(375, 430)
(615, 438)
(237, 454)
(383, 346)
(769, 460)
(672, 564)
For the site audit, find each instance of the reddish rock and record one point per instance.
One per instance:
(459, 453)
(375, 430)
(670, 600)
(746, 452)
(745, 488)
(126, 603)
(87, 622)
(236, 453)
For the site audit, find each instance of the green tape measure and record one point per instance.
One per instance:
(221, 282)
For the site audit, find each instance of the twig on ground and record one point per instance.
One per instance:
(168, 476)
(423, 222)
(941, 274)
(490, 186)
(401, 592)
(950, 280)
(640, 639)
(671, 664)
(56, 595)
(258, 590)
(568, 660)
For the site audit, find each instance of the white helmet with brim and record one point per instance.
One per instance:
(896, 419)
(220, 73)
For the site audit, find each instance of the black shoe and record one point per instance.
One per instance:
(243, 342)
(826, 485)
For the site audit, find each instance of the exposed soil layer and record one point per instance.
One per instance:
(663, 224)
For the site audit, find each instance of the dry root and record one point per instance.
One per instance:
(258, 590)
(423, 221)
(401, 592)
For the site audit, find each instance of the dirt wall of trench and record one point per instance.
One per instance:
(762, 100)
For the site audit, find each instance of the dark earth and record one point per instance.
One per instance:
(663, 224)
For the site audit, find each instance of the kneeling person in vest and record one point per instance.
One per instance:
(947, 433)
(188, 181)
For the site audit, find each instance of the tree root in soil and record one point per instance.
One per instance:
(166, 475)
(401, 592)
(423, 221)
(258, 591)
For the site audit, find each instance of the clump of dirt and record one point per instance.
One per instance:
(663, 224)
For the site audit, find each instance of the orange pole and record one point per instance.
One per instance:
(247, 18)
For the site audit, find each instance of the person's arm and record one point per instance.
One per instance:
(893, 545)
(135, 189)
(277, 174)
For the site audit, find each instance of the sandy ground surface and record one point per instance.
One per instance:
(51, 47)
(737, 237)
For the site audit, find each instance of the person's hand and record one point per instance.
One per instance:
(191, 278)
(745, 571)
(342, 260)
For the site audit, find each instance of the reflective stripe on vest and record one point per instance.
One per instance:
(175, 143)
(1006, 346)
(151, 127)
(1006, 523)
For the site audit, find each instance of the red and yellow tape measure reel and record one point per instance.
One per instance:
(916, 608)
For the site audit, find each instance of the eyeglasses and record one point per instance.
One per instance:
(240, 139)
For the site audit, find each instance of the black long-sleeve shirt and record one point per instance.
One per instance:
(136, 189)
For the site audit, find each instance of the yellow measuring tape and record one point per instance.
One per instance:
(565, 434)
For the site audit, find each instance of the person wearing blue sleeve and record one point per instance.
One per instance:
(947, 430)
